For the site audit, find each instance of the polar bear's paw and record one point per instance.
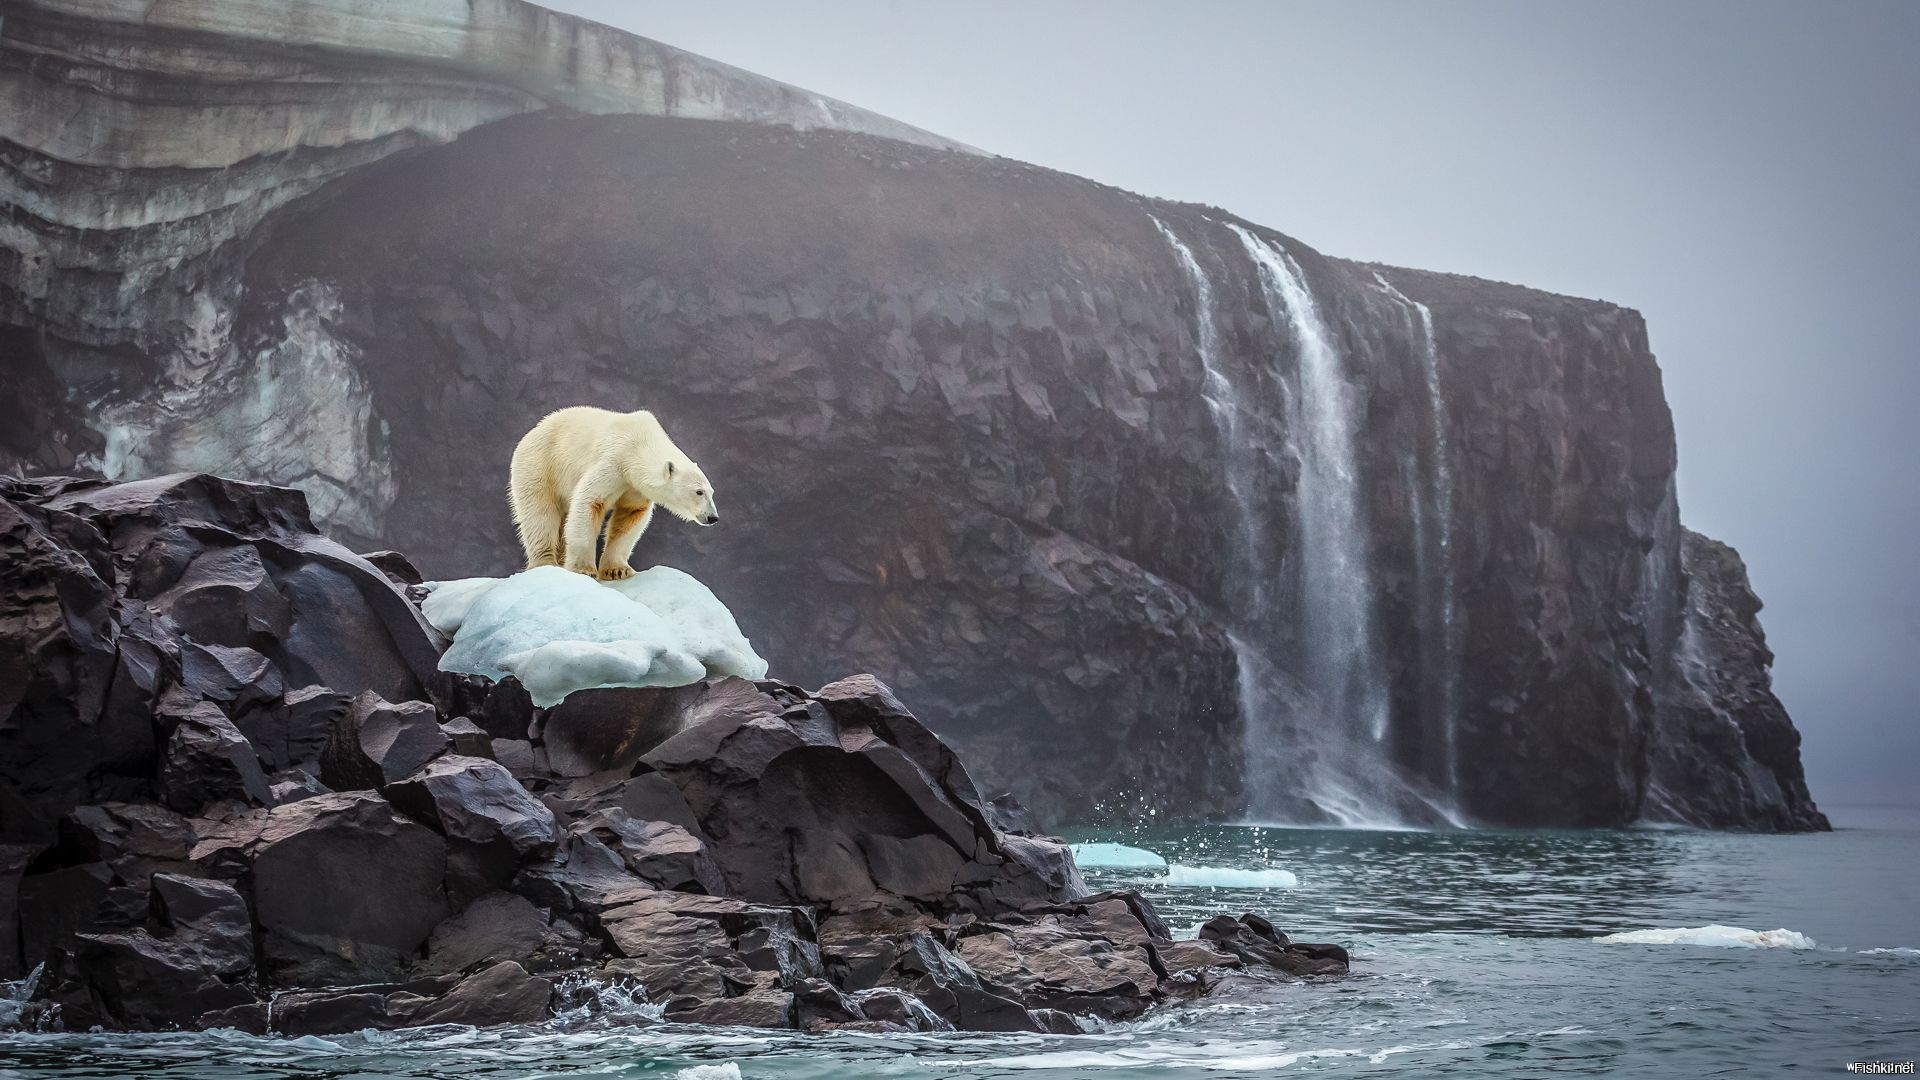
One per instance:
(616, 573)
(580, 568)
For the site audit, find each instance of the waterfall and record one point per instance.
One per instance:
(1312, 690)
(1251, 570)
(1434, 563)
(1340, 653)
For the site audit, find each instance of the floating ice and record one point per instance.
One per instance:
(726, 1071)
(1902, 951)
(558, 631)
(1219, 877)
(1715, 936)
(1119, 856)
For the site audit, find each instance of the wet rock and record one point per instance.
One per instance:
(195, 955)
(345, 889)
(504, 926)
(501, 994)
(1097, 961)
(379, 742)
(1259, 945)
(951, 988)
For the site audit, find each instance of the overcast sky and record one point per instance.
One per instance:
(1747, 174)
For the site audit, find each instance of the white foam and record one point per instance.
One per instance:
(1219, 877)
(1118, 856)
(724, 1071)
(558, 631)
(1713, 936)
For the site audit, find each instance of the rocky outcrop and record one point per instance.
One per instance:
(1050, 458)
(199, 834)
(1717, 710)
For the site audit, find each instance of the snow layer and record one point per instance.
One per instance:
(557, 631)
(1116, 855)
(1716, 936)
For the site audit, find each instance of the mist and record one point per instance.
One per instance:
(1747, 175)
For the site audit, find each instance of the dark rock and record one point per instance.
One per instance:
(948, 986)
(345, 889)
(1097, 960)
(1727, 755)
(196, 957)
(379, 742)
(659, 852)
(610, 728)
(467, 738)
(501, 994)
(207, 759)
(133, 839)
(498, 926)
(845, 803)
(1258, 945)
(295, 734)
(398, 568)
(477, 801)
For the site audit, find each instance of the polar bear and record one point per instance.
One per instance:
(583, 468)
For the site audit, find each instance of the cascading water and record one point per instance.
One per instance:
(1251, 606)
(1313, 688)
(1434, 563)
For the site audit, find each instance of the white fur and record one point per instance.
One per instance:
(579, 467)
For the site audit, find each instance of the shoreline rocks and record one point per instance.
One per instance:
(235, 791)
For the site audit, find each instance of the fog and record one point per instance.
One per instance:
(1745, 174)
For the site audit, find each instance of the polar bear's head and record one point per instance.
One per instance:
(686, 494)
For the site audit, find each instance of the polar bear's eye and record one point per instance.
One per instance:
(698, 492)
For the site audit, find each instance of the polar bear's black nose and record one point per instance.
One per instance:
(712, 518)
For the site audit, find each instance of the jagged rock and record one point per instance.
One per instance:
(951, 988)
(293, 734)
(1095, 960)
(195, 955)
(380, 742)
(504, 926)
(610, 728)
(207, 759)
(477, 801)
(467, 738)
(842, 802)
(345, 889)
(742, 853)
(501, 994)
(1255, 941)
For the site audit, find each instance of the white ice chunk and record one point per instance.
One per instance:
(448, 602)
(558, 632)
(724, 1071)
(1715, 936)
(707, 629)
(1220, 877)
(1896, 951)
(1116, 855)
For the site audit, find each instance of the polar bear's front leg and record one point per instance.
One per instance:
(592, 497)
(623, 532)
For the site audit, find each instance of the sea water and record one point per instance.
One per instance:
(1475, 954)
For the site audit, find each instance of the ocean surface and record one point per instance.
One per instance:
(1476, 954)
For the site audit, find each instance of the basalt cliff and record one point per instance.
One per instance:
(1149, 509)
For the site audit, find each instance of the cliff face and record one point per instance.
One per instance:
(1150, 509)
